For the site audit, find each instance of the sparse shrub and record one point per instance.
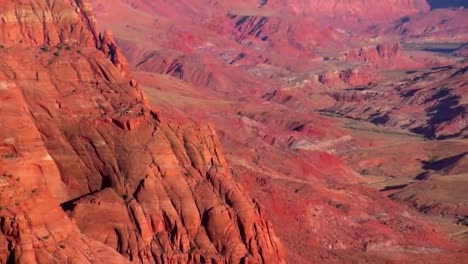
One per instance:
(62, 246)
(56, 54)
(45, 48)
(34, 190)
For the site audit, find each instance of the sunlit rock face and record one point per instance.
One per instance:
(91, 172)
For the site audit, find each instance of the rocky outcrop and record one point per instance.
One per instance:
(107, 44)
(76, 131)
(33, 229)
(348, 77)
(374, 54)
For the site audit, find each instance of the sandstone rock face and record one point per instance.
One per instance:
(349, 77)
(37, 22)
(107, 44)
(76, 131)
(33, 229)
(374, 54)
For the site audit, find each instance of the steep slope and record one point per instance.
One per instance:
(74, 127)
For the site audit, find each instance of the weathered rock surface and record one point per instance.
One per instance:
(33, 23)
(75, 126)
(374, 54)
(33, 229)
(348, 77)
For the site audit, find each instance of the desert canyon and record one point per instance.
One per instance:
(249, 131)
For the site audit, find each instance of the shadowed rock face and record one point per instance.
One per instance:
(76, 131)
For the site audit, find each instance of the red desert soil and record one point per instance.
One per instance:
(198, 131)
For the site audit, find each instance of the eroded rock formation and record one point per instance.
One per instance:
(76, 131)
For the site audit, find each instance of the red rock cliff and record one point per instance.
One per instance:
(75, 131)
